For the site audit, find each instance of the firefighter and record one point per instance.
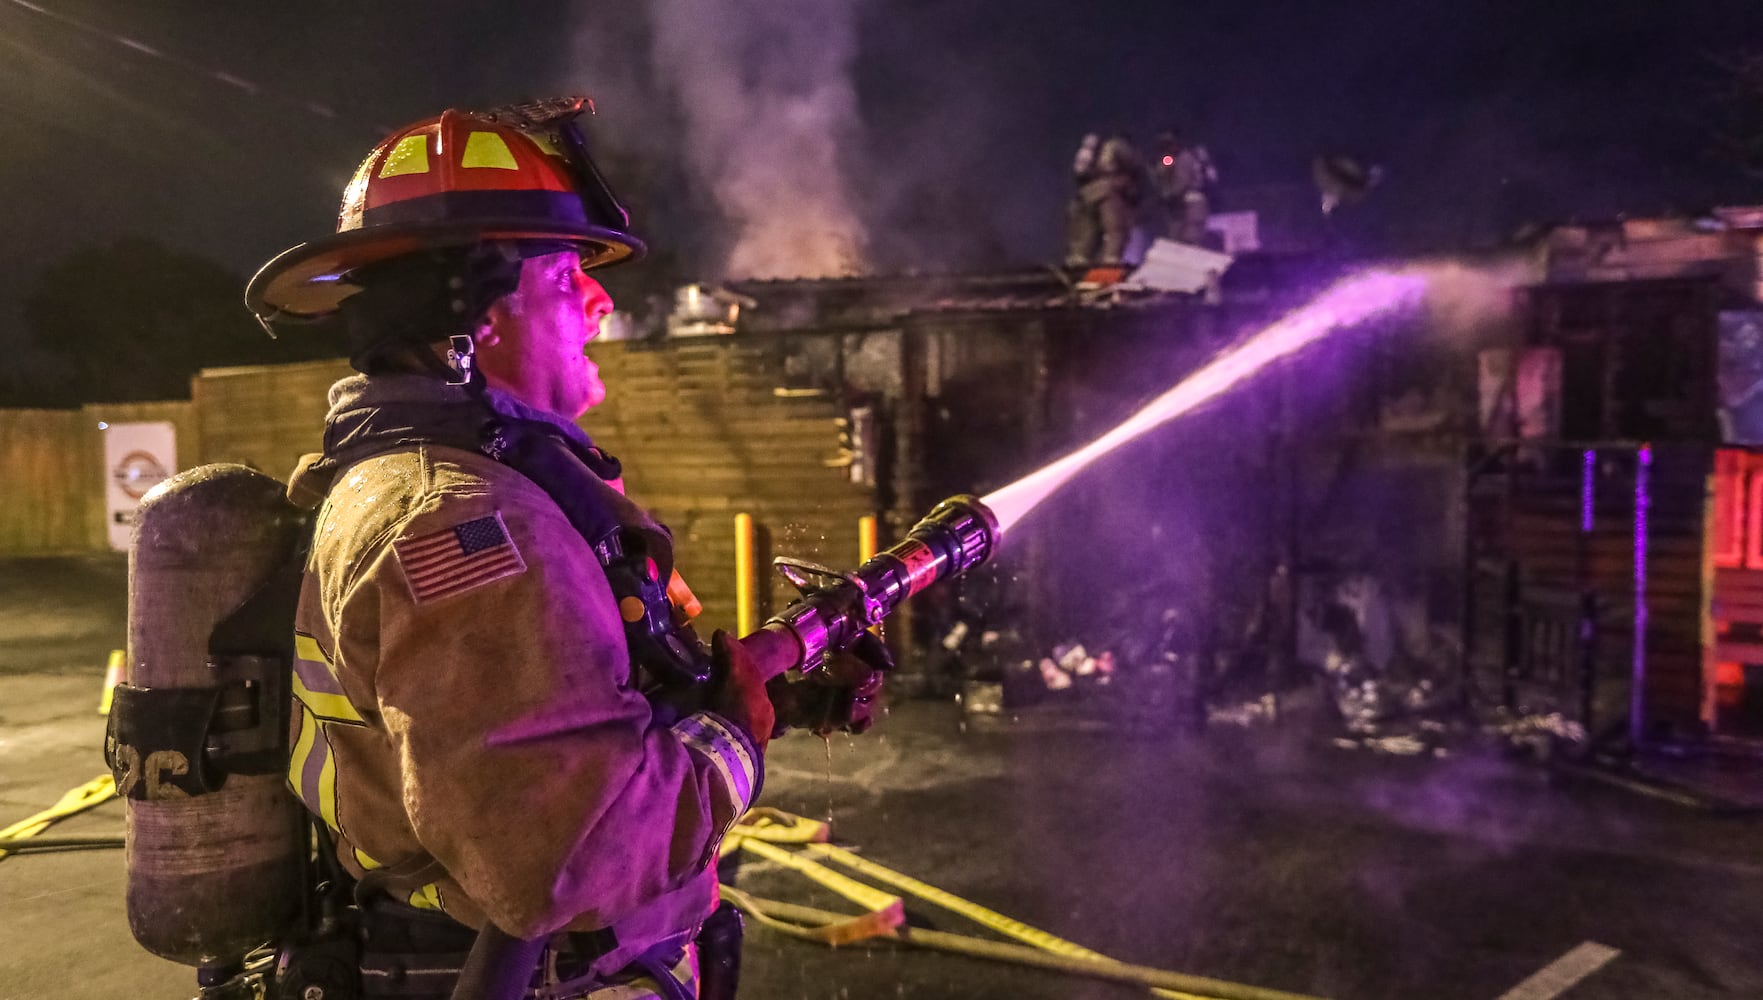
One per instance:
(1109, 181)
(1183, 174)
(470, 733)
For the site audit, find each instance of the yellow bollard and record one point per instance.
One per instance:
(746, 611)
(866, 549)
(114, 673)
(866, 543)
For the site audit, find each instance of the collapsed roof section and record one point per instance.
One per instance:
(796, 305)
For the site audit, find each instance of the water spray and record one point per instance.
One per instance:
(1348, 301)
(963, 531)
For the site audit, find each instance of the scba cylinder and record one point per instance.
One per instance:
(198, 735)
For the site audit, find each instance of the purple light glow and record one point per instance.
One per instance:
(1587, 493)
(1348, 301)
(1643, 501)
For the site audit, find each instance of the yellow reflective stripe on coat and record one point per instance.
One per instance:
(312, 772)
(426, 897)
(317, 686)
(300, 754)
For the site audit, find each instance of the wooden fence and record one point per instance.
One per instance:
(704, 434)
(700, 425)
(52, 467)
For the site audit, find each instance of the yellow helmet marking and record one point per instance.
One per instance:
(409, 156)
(487, 149)
(545, 144)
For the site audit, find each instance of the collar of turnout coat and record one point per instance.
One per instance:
(373, 414)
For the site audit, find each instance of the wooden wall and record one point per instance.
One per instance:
(702, 430)
(45, 462)
(264, 416)
(1538, 526)
(52, 470)
(704, 434)
(698, 424)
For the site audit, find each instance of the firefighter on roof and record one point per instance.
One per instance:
(1183, 175)
(1109, 186)
(481, 728)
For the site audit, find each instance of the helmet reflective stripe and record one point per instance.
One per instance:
(457, 179)
(409, 156)
(487, 149)
(462, 146)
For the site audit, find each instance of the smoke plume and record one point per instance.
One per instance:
(768, 103)
(1468, 299)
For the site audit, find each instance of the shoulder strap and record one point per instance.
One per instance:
(567, 474)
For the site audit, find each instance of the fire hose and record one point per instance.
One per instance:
(22, 836)
(766, 832)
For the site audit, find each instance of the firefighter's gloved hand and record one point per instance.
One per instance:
(740, 694)
(841, 696)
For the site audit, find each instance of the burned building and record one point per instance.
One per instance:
(1226, 533)
(1311, 515)
(1613, 561)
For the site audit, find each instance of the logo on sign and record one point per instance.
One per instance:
(136, 473)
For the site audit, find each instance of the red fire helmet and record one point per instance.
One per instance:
(520, 172)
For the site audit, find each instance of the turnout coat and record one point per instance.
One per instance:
(464, 704)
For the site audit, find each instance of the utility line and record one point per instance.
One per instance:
(231, 81)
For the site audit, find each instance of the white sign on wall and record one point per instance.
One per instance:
(137, 457)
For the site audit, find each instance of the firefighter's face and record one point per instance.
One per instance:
(533, 342)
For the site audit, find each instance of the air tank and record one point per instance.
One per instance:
(198, 735)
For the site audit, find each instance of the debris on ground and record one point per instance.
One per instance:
(1259, 711)
(1541, 735)
(1401, 745)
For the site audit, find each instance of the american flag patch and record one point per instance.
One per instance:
(454, 560)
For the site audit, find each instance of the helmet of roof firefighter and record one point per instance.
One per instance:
(519, 173)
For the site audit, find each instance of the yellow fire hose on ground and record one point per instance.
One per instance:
(93, 793)
(762, 831)
(768, 834)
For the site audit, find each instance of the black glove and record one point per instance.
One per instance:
(840, 696)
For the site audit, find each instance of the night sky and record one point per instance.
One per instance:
(954, 120)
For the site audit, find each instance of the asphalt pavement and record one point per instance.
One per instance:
(1259, 855)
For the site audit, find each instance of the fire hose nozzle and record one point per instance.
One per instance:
(835, 608)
